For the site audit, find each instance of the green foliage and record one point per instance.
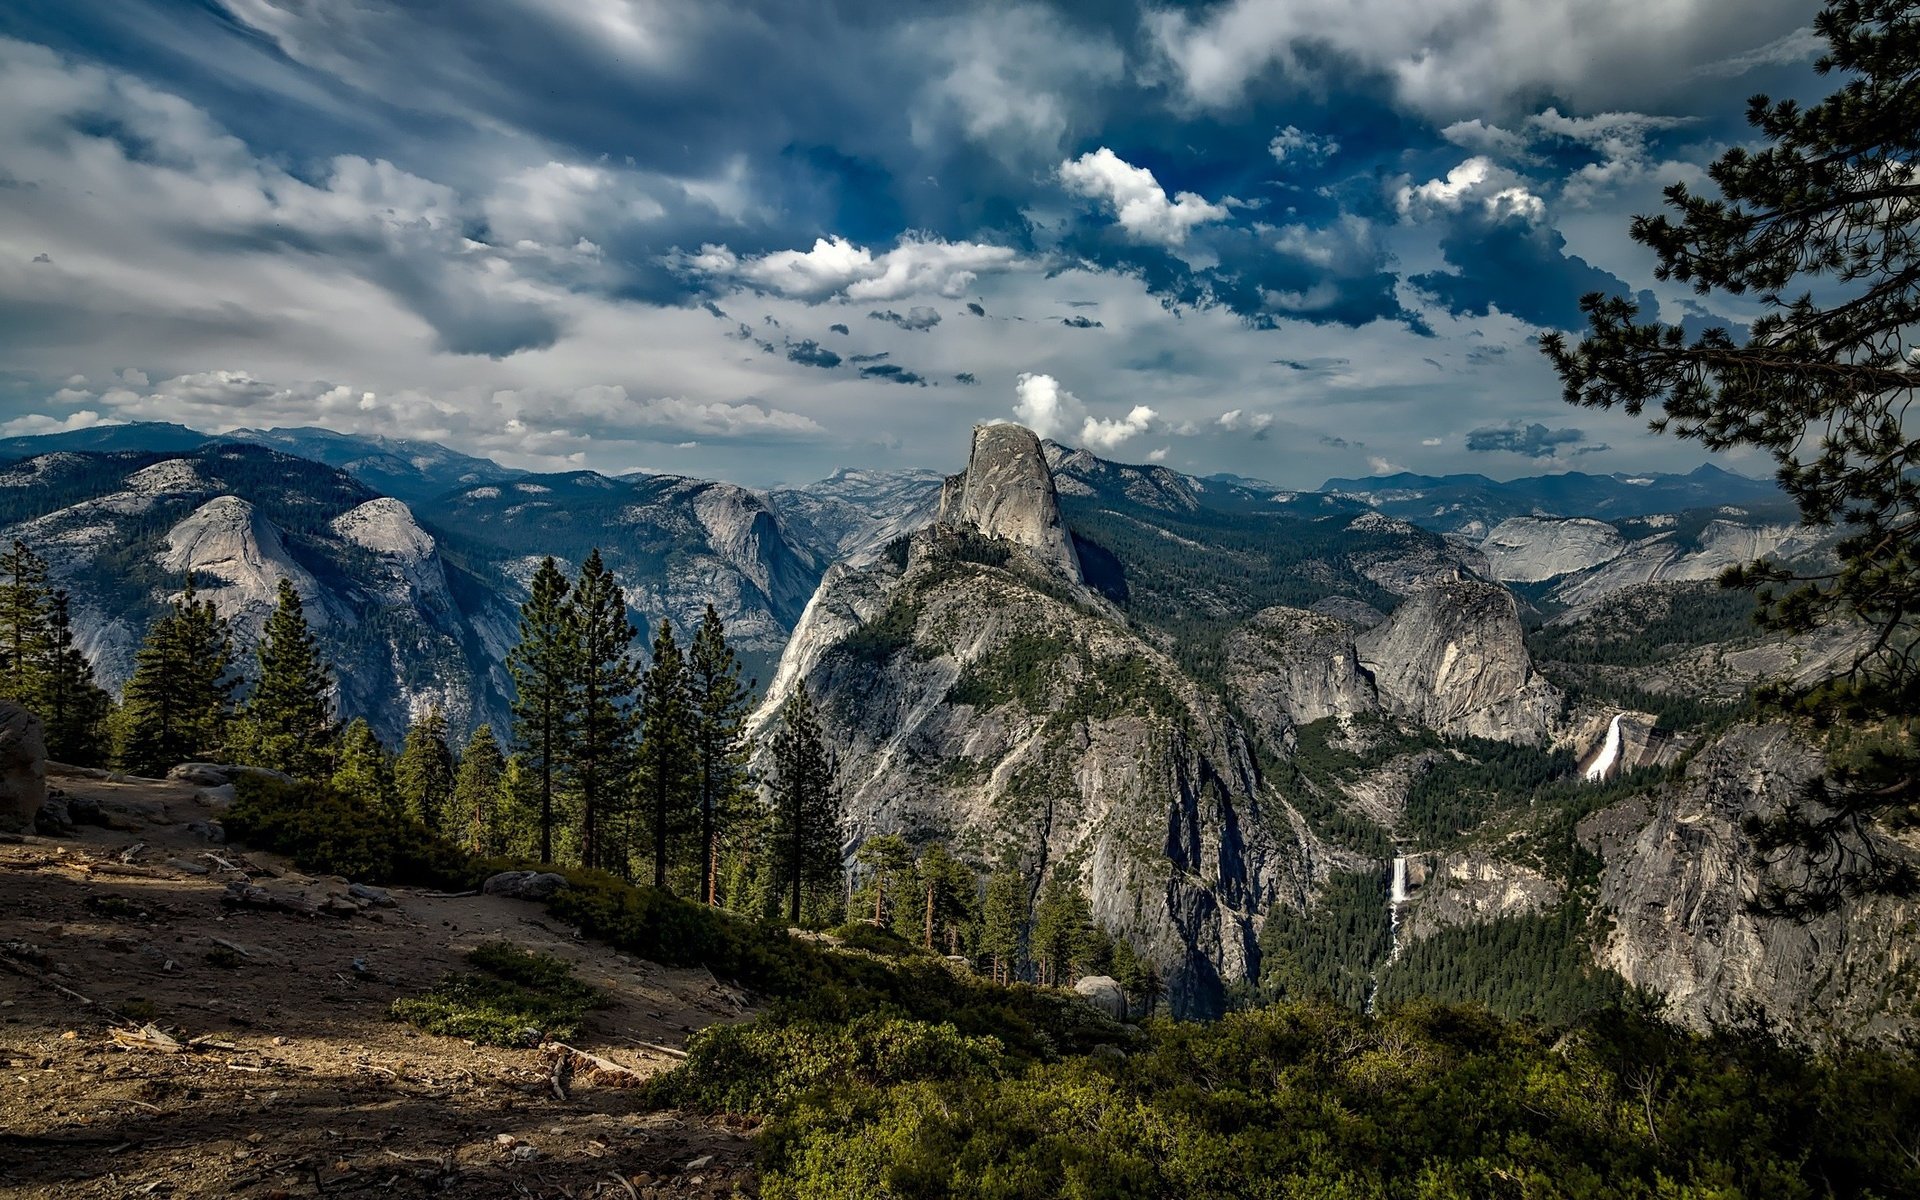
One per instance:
(1647, 625)
(178, 705)
(1065, 941)
(1537, 965)
(72, 706)
(601, 758)
(1019, 669)
(1427, 1102)
(543, 664)
(877, 641)
(287, 724)
(1004, 922)
(24, 609)
(767, 1066)
(1332, 950)
(718, 705)
(423, 775)
(480, 796)
(668, 778)
(806, 812)
(519, 998)
(328, 832)
(362, 769)
(874, 939)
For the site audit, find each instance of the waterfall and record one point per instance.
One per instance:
(1396, 900)
(1609, 753)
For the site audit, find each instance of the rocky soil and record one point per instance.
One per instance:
(285, 1077)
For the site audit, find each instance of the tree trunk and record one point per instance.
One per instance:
(929, 914)
(660, 826)
(546, 787)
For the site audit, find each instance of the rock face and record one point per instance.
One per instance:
(1454, 658)
(23, 767)
(1530, 549)
(1104, 993)
(1593, 559)
(227, 539)
(1679, 873)
(1471, 887)
(851, 514)
(1007, 492)
(1291, 666)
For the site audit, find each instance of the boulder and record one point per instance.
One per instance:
(23, 767)
(199, 774)
(524, 885)
(219, 799)
(1104, 993)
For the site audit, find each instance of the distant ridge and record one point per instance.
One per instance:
(1472, 503)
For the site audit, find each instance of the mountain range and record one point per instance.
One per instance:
(1396, 736)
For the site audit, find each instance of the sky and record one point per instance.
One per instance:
(1288, 239)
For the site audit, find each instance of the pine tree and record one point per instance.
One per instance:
(362, 768)
(1004, 921)
(951, 895)
(25, 606)
(72, 706)
(666, 750)
(805, 809)
(545, 704)
(719, 703)
(423, 774)
(479, 792)
(603, 750)
(288, 721)
(178, 705)
(889, 860)
(1063, 929)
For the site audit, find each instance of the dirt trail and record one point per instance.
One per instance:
(311, 1089)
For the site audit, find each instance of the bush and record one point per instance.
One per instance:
(327, 832)
(875, 939)
(520, 999)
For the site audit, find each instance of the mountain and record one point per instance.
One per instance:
(1474, 504)
(409, 470)
(852, 513)
(138, 435)
(403, 627)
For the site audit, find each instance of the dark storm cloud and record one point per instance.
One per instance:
(918, 319)
(812, 354)
(1533, 440)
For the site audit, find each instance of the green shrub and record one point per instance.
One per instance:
(328, 832)
(875, 939)
(520, 998)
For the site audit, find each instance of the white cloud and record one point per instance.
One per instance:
(1051, 411)
(1235, 420)
(1432, 441)
(1381, 466)
(1009, 78)
(1458, 57)
(1140, 205)
(837, 267)
(39, 423)
(1159, 455)
(1477, 182)
(1294, 144)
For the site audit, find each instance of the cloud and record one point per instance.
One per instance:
(1159, 455)
(1296, 145)
(836, 267)
(810, 353)
(1453, 57)
(965, 378)
(838, 327)
(1235, 420)
(1080, 322)
(1051, 411)
(1139, 204)
(919, 318)
(892, 373)
(1534, 441)
(40, 423)
(1382, 466)
(1339, 443)
(1476, 183)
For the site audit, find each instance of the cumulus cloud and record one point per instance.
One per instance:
(1236, 420)
(33, 424)
(1531, 440)
(1160, 454)
(810, 353)
(1051, 411)
(837, 267)
(1476, 183)
(1296, 145)
(1619, 141)
(1139, 204)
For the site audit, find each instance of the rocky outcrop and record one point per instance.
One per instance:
(1679, 873)
(1290, 666)
(23, 767)
(1453, 658)
(1007, 492)
(410, 566)
(225, 538)
(1472, 887)
(1530, 549)
(1104, 993)
(851, 514)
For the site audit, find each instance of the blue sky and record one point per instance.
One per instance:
(1284, 238)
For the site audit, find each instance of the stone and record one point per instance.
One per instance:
(524, 885)
(372, 895)
(23, 766)
(200, 774)
(1007, 492)
(1104, 993)
(1454, 658)
(219, 799)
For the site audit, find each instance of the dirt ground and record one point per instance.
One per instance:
(302, 1085)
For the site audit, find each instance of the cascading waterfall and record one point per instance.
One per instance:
(1609, 753)
(1396, 899)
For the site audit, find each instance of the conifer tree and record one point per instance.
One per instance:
(288, 721)
(719, 704)
(889, 860)
(603, 750)
(805, 810)
(666, 767)
(1004, 921)
(178, 705)
(71, 705)
(545, 672)
(25, 605)
(950, 895)
(423, 774)
(478, 793)
(1063, 928)
(362, 768)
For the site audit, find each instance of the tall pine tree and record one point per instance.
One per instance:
(478, 793)
(25, 605)
(603, 745)
(362, 768)
(73, 707)
(1004, 921)
(178, 705)
(545, 673)
(287, 723)
(423, 774)
(666, 769)
(805, 810)
(718, 702)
